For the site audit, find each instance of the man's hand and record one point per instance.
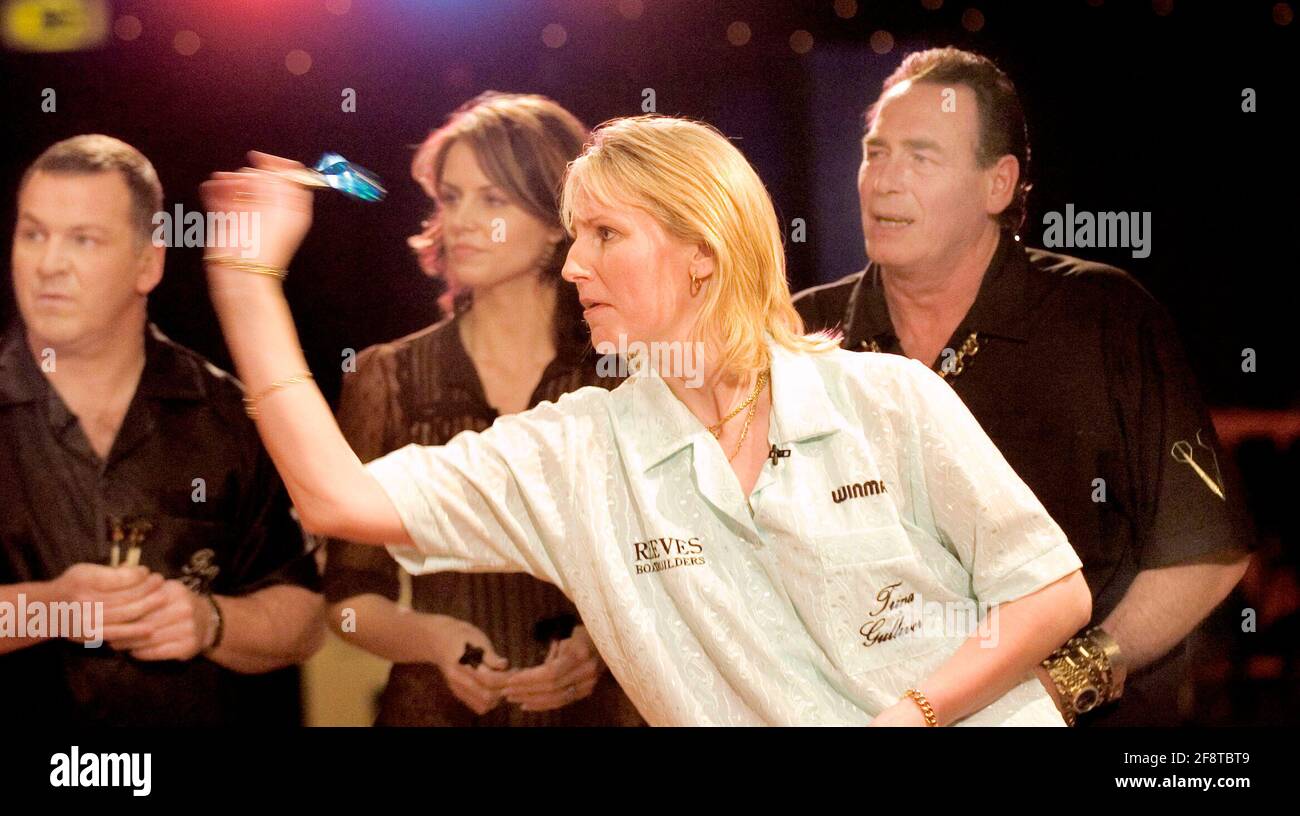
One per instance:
(127, 593)
(568, 674)
(178, 629)
(479, 687)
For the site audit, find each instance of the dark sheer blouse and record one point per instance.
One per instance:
(424, 389)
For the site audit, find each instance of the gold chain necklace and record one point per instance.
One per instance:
(716, 428)
(752, 405)
(968, 349)
(744, 432)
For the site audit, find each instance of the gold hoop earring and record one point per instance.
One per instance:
(696, 283)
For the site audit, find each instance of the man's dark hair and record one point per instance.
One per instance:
(1002, 128)
(96, 153)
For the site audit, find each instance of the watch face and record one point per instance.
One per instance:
(1086, 700)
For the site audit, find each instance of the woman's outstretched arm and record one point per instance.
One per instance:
(334, 494)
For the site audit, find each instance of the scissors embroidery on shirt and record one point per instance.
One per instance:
(1182, 452)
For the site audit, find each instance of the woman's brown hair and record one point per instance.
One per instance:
(523, 143)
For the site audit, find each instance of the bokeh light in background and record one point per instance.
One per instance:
(298, 62)
(54, 25)
(555, 36)
(128, 27)
(738, 33)
(631, 9)
(187, 43)
(801, 42)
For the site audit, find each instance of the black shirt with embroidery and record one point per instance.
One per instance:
(187, 460)
(1077, 375)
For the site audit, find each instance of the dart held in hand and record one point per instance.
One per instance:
(332, 170)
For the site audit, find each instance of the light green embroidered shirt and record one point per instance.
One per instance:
(854, 570)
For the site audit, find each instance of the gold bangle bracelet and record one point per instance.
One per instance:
(1088, 672)
(231, 262)
(926, 709)
(250, 403)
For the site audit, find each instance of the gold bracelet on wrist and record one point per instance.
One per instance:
(1101, 645)
(250, 403)
(1073, 685)
(926, 709)
(231, 262)
(1088, 672)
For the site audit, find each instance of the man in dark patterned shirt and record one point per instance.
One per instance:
(131, 484)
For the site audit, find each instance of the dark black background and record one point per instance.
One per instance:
(714, 770)
(1132, 106)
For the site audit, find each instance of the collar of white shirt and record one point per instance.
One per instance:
(659, 425)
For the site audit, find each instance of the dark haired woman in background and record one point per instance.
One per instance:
(513, 339)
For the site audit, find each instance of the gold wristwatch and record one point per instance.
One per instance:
(1088, 671)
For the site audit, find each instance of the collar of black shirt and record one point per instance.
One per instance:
(1001, 307)
(169, 373)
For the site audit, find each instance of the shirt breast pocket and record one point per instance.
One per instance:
(190, 550)
(874, 600)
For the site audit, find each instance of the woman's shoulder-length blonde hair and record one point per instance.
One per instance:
(701, 190)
